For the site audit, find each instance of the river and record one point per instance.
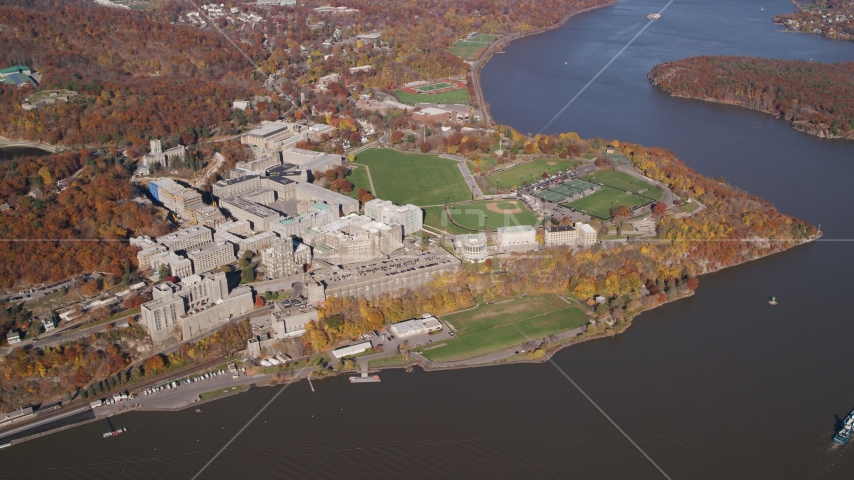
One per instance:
(717, 386)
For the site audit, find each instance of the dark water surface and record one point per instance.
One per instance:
(8, 153)
(718, 386)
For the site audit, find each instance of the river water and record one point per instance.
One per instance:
(718, 386)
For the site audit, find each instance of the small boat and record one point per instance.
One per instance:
(773, 301)
(845, 430)
(653, 16)
(198, 410)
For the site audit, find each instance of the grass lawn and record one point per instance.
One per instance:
(689, 207)
(490, 328)
(471, 215)
(459, 96)
(625, 183)
(221, 392)
(413, 177)
(392, 361)
(527, 171)
(599, 204)
(359, 178)
(436, 217)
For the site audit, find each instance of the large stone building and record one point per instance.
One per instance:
(520, 238)
(316, 162)
(256, 214)
(384, 211)
(354, 238)
(311, 216)
(391, 276)
(286, 257)
(187, 238)
(472, 247)
(581, 234)
(197, 305)
(158, 156)
(289, 318)
(178, 266)
(181, 200)
(211, 256)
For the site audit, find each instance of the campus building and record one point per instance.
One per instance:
(313, 216)
(181, 200)
(268, 135)
(354, 238)
(409, 216)
(187, 238)
(286, 257)
(519, 238)
(158, 156)
(197, 305)
(289, 318)
(580, 234)
(416, 326)
(178, 266)
(211, 256)
(387, 276)
(472, 247)
(256, 214)
(316, 162)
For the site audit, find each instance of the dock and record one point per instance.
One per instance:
(365, 378)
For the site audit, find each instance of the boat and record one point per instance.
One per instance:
(845, 430)
(773, 301)
(653, 16)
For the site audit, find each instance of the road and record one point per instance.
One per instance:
(218, 161)
(476, 193)
(38, 293)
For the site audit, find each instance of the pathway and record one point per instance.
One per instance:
(476, 193)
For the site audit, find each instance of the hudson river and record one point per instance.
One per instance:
(718, 386)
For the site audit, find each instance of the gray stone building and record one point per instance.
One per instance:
(197, 305)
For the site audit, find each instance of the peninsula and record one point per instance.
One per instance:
(815, 98)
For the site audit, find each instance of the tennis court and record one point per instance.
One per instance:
(549, 196)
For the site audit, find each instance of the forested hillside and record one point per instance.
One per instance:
(816, 98)
(96, 211)
(138, 78)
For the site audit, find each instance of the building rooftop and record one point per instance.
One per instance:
(251, 207)
(563, 228)
(184, 233)
(268, 129)
(516, 229)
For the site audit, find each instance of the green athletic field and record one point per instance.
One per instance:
(476, 216)
(491, 328)
(599, 204)
(528, 171)
(624, 183)
(413, 177)
(433, 86)
(470, 49)
(458, 96)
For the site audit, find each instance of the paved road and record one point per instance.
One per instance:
(38, 293)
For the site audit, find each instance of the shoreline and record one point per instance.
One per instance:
(502, 43)
(271, 381)
(774, 114)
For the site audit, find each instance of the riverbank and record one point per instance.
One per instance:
(822, 108)
(501, 44)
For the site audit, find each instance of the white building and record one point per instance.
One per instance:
(384, 211)
(520, 238)
(158, 156)
(472, 247)
(416, 326)
(352, 349)
(581, 234)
